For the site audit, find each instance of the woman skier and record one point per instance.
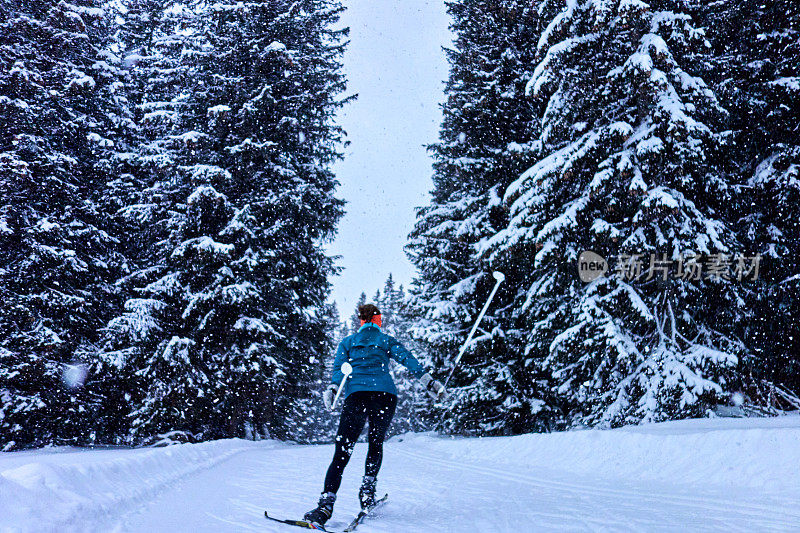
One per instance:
(370, 394)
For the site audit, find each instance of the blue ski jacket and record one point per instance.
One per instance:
(368, 351)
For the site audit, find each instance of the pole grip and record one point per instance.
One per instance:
(347, 369)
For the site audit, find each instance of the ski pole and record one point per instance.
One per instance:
(347, 369)
(499, 276)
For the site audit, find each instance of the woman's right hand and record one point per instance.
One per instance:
(433, 387)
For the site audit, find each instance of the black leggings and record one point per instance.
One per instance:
(359, 406)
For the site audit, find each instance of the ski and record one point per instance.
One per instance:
(364, 513)
(299, 523)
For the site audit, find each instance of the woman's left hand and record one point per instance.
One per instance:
(329, 395)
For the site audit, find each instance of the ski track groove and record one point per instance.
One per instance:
(754, 511)
(537, 481)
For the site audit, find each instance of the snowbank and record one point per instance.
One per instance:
(759, 453)
(60, 490)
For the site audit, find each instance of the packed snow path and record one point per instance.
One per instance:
(720, 475)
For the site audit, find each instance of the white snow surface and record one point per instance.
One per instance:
(697, 475)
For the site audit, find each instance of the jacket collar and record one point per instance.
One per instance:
(368, 324)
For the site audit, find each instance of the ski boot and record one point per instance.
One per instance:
(323, 511)
(366, 495)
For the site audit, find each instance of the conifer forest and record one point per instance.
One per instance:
(168, 194)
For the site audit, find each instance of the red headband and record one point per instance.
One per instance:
(376, 319)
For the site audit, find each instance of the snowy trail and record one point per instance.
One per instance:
(429, 493)
(700, 475)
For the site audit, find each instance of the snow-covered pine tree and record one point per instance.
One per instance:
(61, 122)
(389, 302)
(222, 336)
(756, 72)
(485, 143)
(355, 322)
(342, 332)
(159, 47)
(133, 43)
(631, 152)
(129, 27)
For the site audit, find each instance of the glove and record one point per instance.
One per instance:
(329, 395)
(433, 387)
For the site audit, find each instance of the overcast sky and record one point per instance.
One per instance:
(396, 65)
